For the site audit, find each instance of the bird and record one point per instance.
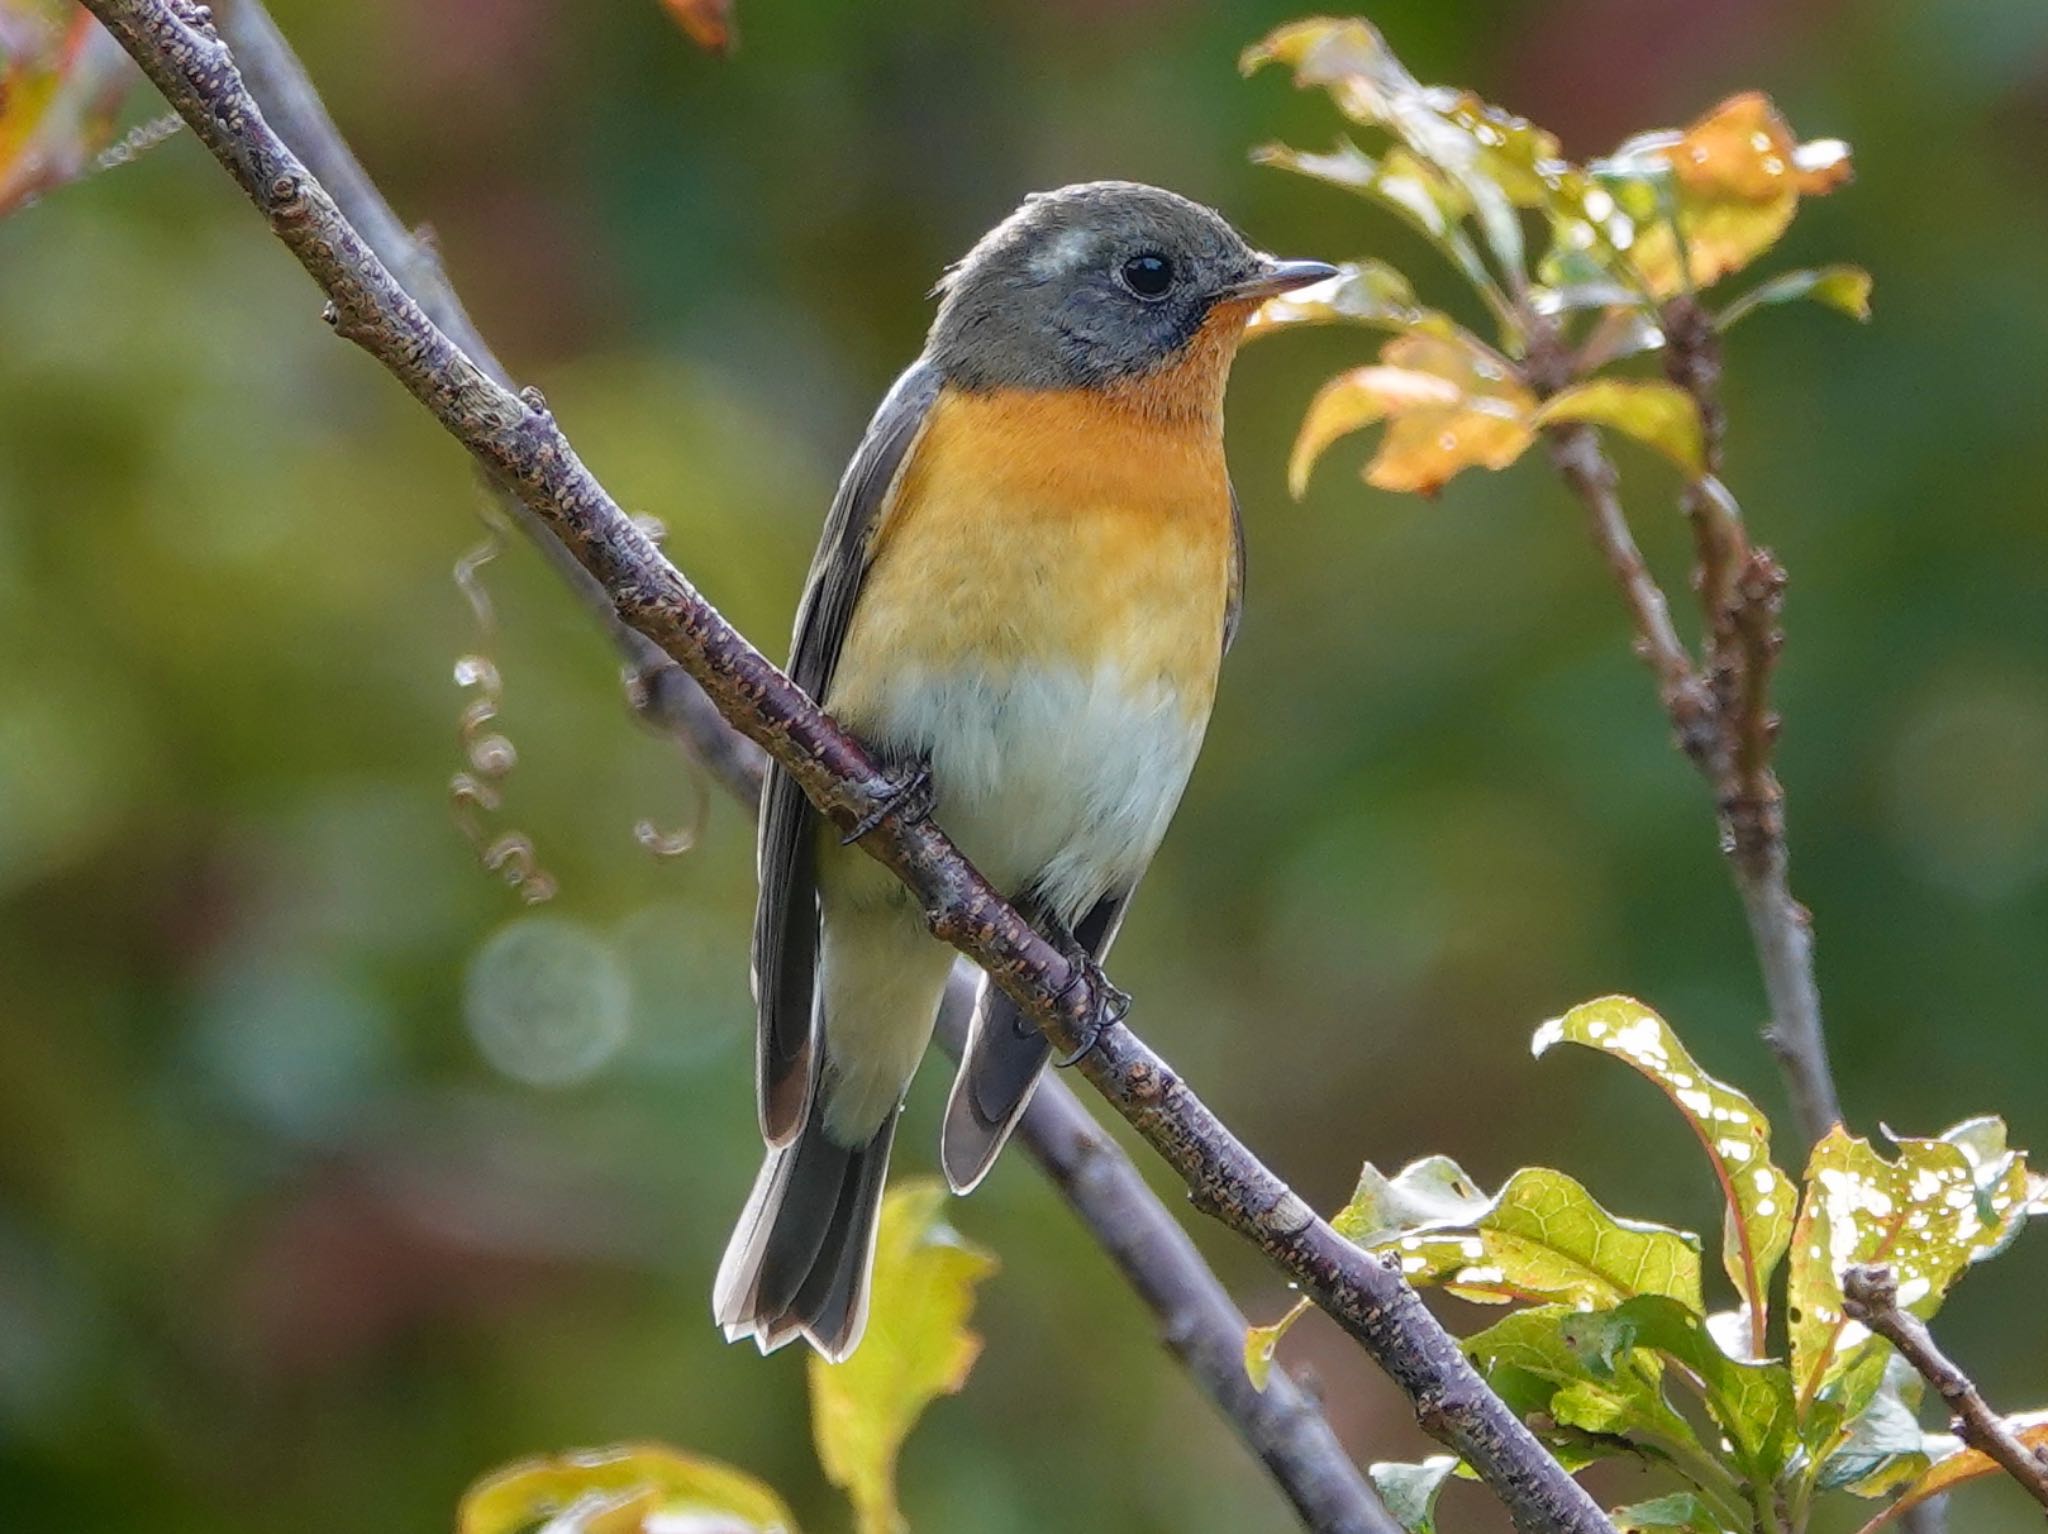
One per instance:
(1021, 601)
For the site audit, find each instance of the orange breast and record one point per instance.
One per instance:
(1048, 528)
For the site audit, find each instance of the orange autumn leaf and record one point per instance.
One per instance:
(707, 23)
(1737, 175)
(1449, 404)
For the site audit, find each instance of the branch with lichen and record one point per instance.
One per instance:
(517, 442)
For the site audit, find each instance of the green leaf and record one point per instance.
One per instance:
(1410, 1491)
(1680, 1510)
(1530, 1361)
(1845, 288)
(623, 1489)
(1883, 1447)
(1432, 1191)
(1826, 1421)
(918, 1347)
(1661, 416)
(1959, 1465)
(1944, 1204)
(1752, 1402)
(1760, 1199)
(1260, 1342)
(1543, 1238)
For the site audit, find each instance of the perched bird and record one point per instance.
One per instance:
(1023, 595)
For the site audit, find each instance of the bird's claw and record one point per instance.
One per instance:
(909, 799)
(1109, 1006)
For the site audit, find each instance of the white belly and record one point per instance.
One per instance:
(1060, 781)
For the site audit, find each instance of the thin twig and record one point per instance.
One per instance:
(1741, 591)
(1871, 1295)
(516, 439)
(1719, 711)
(1196, 1317)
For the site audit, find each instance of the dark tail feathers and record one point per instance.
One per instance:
(799, 1261)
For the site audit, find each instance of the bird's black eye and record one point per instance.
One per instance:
(1149, 275)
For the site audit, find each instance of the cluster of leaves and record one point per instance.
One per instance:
(1575, 263)
(918, 1347)
(1615, 1351)
(62, 82)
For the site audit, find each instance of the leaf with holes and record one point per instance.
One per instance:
(1760, 1199)
(918, 1347)
(625, 1489)
(1942, 1205)
(1544, 1238)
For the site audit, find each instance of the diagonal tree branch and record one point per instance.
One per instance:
(1196, 1317)
(516, 439)
(1871, 1295)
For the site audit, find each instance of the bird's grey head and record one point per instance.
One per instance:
(1095, 285)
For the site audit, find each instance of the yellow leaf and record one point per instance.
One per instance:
(1261, 1341)
(1737, 175)
(617, 1490)
(1952, 1470)
(917, 1348)
(1658, 415)
(1451, 405)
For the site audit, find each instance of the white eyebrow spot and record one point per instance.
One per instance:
(1061, 254)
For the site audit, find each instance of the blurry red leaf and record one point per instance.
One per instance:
(61, 81)
(707, 23)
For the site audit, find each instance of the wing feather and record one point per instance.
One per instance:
(786, 920)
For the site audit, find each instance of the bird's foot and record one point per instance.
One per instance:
(909, 798)
(1108, 1006)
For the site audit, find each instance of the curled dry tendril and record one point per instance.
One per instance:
(477, 792)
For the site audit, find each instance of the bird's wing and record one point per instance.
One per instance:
(1000, 1066)
(786, 920)
(1233, 604)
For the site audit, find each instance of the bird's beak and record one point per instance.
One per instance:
(1273, 277)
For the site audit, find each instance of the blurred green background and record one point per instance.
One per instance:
(312, 1207)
